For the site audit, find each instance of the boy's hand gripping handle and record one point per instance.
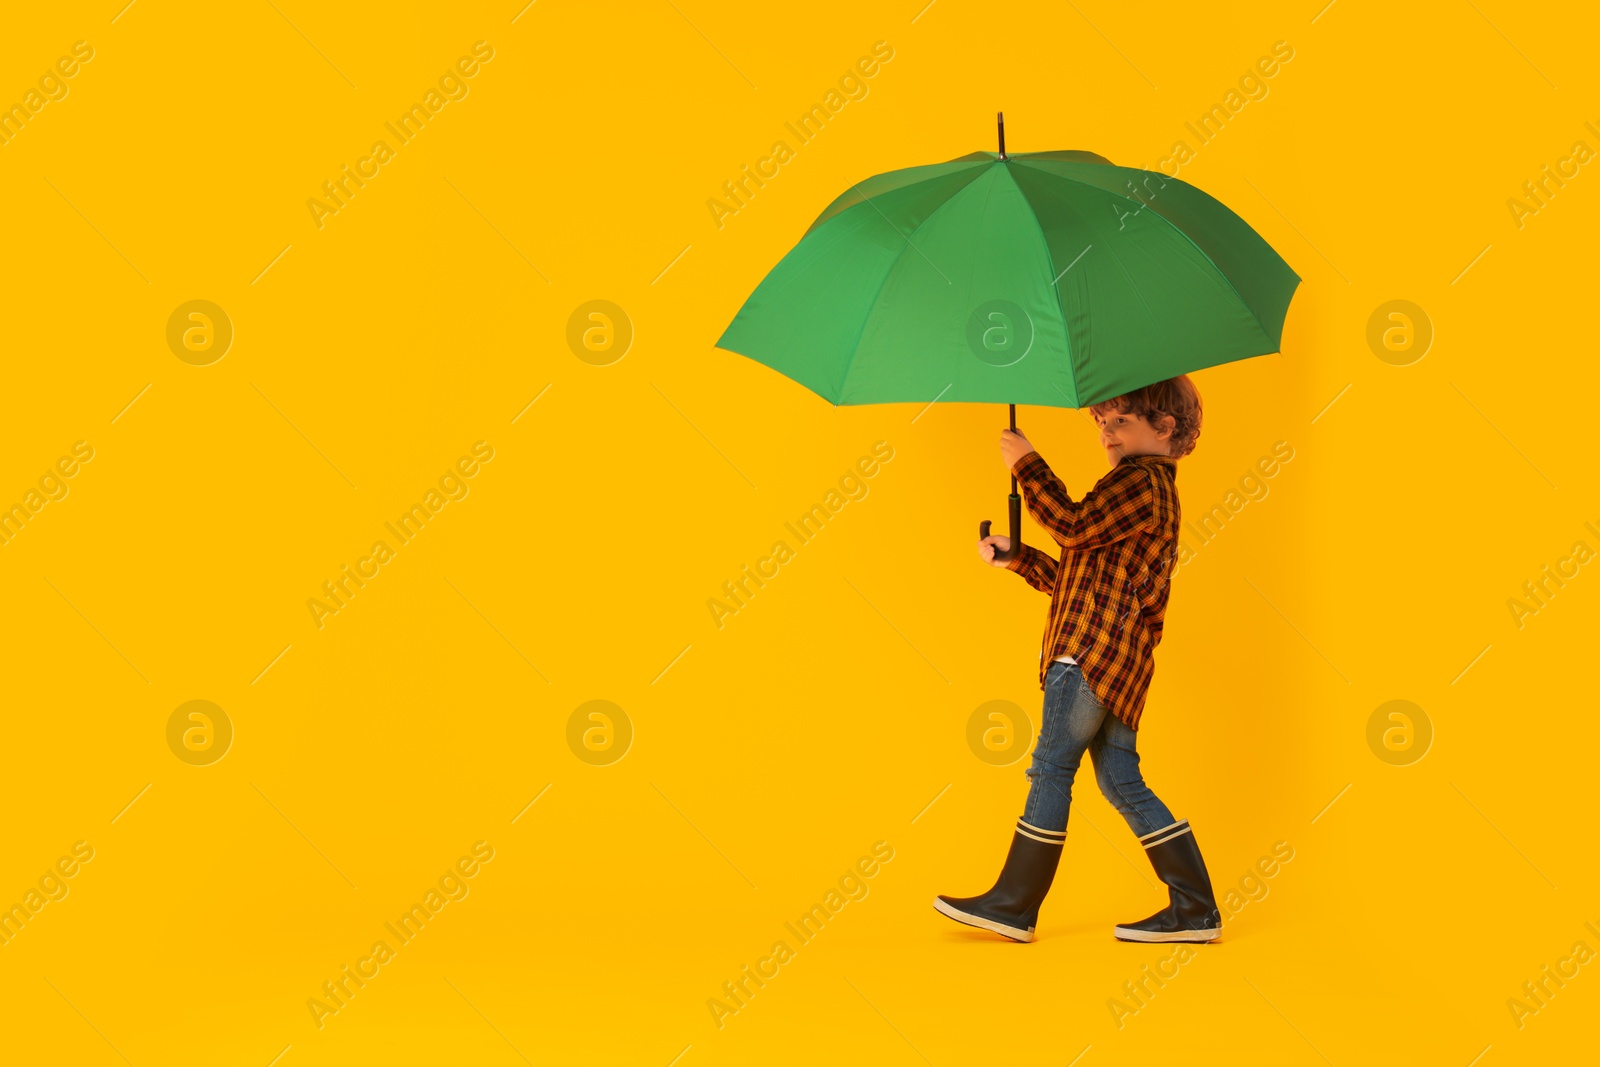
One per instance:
(1015, 503)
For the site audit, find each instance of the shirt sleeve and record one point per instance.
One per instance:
(1037, 568)
(1119, 507)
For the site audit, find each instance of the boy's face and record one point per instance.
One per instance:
(1125, 434)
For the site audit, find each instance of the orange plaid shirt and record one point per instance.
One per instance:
(1108, 592)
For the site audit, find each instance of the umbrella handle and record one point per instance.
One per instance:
(1015, 503)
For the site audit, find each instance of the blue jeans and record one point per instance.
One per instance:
(1074, 722)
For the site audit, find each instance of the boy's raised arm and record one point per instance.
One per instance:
(1037, 568)
(1121, 508)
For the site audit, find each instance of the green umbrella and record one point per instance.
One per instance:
(1047, 278)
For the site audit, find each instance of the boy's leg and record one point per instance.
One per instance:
(1071, 721)
(1191, 913)
(1115, 755)
(1011, 907)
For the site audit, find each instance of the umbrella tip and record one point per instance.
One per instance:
(1000, 120)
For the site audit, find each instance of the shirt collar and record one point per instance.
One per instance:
(1149, 460)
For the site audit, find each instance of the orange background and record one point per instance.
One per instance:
(765, 757)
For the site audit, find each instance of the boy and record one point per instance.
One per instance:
(1108, 598)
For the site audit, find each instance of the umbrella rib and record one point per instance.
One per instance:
(850, 363)
(1061, 307)
(914, 229)
(829, 212)
(1181, 233)
(826, 217)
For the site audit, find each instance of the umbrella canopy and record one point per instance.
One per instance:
(1046, 278)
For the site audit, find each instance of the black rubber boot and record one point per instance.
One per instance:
(1191, 914)
(1011, 908)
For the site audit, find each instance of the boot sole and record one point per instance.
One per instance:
(1123, 933)
(981, 923)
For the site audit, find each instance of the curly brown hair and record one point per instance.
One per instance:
(1176, 397)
